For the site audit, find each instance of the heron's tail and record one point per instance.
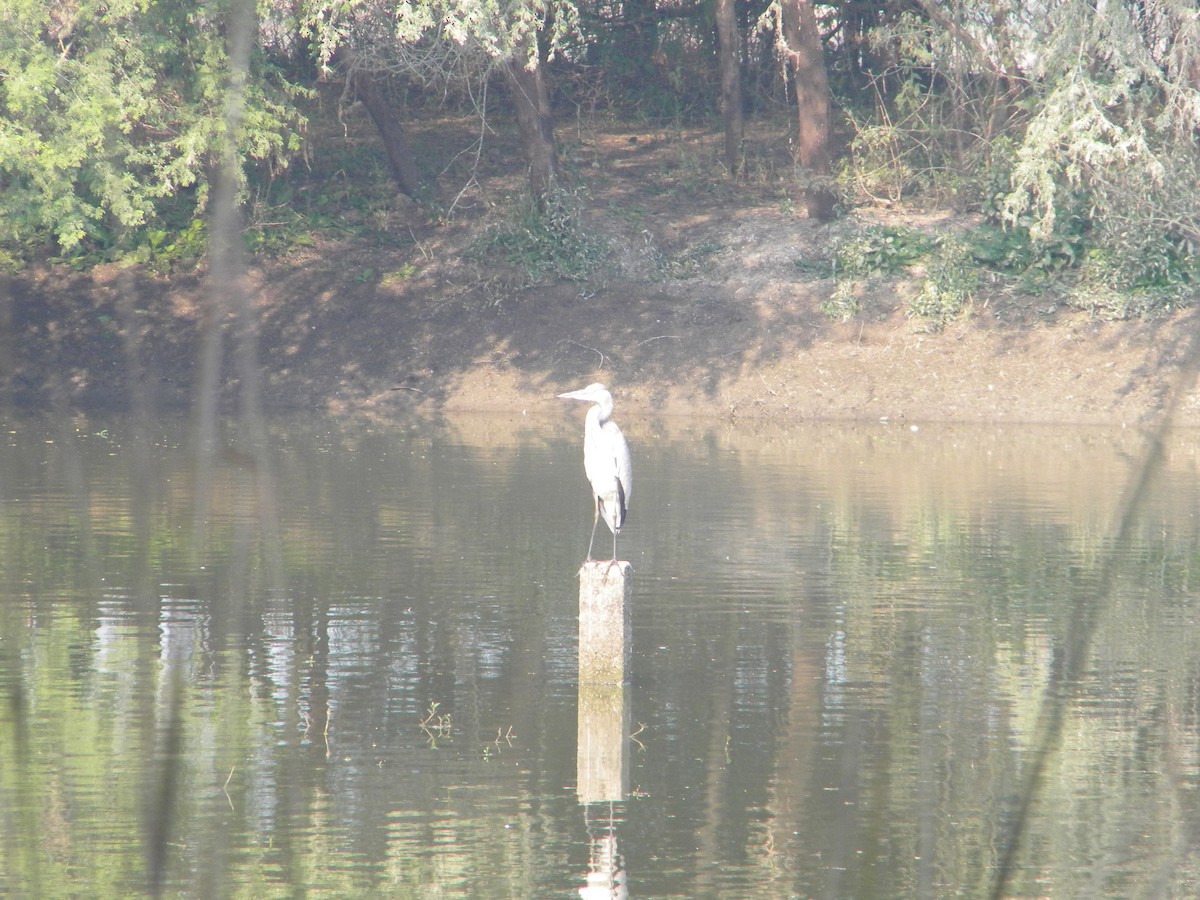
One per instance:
(617, 511)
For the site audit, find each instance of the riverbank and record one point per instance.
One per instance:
(708, 303)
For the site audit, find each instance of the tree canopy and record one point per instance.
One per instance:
(1051, 117)
(434, 40)
(112, 112)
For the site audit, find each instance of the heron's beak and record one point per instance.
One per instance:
(571, 395)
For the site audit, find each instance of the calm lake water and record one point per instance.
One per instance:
(342, 662)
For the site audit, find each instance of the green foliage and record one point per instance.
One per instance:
(344, 191)
(867, 254)
(1114, 108)
(437, 41)
(400, 275)
(110, 111)
(881, 164)
(1136, 282)
(878, 250)
(164, 250)
(844, 303)
(1013, 249)
(1072, 124)
(1115, 276)
(553, 241)
(815, 267)
(929, 121)
(951, 277)
(1122, 265)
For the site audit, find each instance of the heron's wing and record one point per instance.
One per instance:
(620, 452)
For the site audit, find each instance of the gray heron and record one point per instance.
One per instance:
(605, 461)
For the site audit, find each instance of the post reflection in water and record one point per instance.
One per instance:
(606, 878)
(602, 743)
(371, 677)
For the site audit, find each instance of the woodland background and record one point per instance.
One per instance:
(174, 138)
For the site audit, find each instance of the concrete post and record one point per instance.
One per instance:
(602, 754)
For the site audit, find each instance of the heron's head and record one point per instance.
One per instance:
(593, 393)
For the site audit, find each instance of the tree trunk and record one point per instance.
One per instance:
(535, 120)
(395, 142)
(729, 64)
(800, 44)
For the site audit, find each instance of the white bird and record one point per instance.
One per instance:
(605, 461)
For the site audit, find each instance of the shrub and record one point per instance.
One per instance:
(867, 254)
(551, 241)
(878, 250)
(844, 303)
(951, 278)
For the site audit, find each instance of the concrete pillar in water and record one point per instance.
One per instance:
(602, 755)
(605, 592)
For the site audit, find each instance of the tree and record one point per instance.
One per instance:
(112, 111)
(729, 64)
(1117, 114)
(365, 84)
(1091, 111)
(798, 44)
(438, 42)
(535, 119)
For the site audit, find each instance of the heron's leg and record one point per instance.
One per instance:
(595, 522)
(614, 559)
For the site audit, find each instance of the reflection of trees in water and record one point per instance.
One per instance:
(840, 699)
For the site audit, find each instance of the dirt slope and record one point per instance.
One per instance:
(709, 304)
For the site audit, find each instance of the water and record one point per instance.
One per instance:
(346, 665)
